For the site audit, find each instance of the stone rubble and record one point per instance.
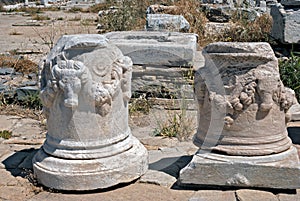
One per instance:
(166, 22)
(286, 22)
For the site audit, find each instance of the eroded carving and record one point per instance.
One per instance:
(85, 89)
(253, 95)
(70, 77)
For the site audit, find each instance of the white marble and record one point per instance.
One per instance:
(85, 88)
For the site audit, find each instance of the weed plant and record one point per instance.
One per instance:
(32, 101)
(177, 124)
(243, 30)
(5, 134)
(139, 105)
(290, 73)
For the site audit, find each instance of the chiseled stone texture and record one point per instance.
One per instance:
(286, 23)
(156, 48)
(242, 119)
(85, 89)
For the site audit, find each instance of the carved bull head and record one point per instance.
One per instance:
(68, 73)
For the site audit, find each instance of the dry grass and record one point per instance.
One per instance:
(21, 65)
(190, 9)
(18, 110)
(247, 31)
(39, 17)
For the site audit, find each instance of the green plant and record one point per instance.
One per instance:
(5, 134)
(139, 105)
(177, 124)
(290, 73)
(32, 101)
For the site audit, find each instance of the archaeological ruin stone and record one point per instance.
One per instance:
(286, 21)
(156, 48)
(85, 89)
(242, 119)
(161, 61)
(166, 22)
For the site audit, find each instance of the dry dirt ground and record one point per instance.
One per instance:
(20, 33)
(168, 154)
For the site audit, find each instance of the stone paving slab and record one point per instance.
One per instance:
(135, 191)
(213, 195)
(159, 183)
(158, 178)
(255, 195)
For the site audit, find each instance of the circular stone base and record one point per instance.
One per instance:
(68, 174)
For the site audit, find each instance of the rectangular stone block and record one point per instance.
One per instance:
(166, 22)
(156, 48)
(280, 171)
(286, 24)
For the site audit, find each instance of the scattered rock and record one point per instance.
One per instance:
(286, 23)
(156, 9)
(7, 71)
(158, 178)
(166, 22)
(219, 13)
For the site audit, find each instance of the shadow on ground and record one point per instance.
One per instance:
(20, 163)
(172, 169)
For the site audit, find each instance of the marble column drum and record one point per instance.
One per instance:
(85, 89)
(242, 119)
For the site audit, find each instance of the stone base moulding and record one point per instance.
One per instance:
(279, 171)
(89, 174)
